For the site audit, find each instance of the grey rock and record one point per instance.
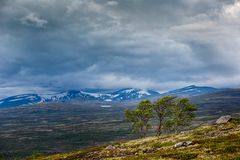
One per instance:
(122, 149)
(110, 148)
(183, 144)
(224, 119)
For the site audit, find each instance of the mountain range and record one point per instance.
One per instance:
(126, 94)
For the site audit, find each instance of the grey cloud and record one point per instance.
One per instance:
(112, 3)
(162, 44)
(33, 19)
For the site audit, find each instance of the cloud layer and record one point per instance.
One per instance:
(160, 44)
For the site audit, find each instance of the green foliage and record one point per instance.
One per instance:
(180, 155)
(1, 157)
(157, 145)
(161, 108)
(230, 149)
(140, 117)
(34, 156)
(171, 114)
(181, 114)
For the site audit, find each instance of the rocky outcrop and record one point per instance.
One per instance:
(224, 119)
(110, 148)
(183, 144)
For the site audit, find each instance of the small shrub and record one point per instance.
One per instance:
(180, 155)
(159, 145)
(230, 149)
(186, 156)
(236, 158)
(33, 156)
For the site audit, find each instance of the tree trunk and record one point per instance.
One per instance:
(159, 129)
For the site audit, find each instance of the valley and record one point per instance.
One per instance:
(57, 128)
(50, 128)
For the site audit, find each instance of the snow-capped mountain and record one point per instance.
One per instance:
(132, 94)
(192, 90)
(119, 95)
(20, 100)
(82, 95)
(68, 95)
(127, 94)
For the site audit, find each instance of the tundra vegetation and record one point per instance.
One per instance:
(170, 112)
(218, 142)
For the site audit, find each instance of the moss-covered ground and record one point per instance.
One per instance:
(209, 142)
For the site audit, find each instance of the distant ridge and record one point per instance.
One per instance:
(102, 95)
(126, 94)
(192, 90)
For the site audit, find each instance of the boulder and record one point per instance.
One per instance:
(110, 148)
(183, 144)
(224, 119)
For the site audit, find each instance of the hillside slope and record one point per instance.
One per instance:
(209, 142)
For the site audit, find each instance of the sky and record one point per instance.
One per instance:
(49, 45)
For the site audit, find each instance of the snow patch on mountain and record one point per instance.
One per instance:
(96, 95)
(126, 94)
(143, 92)
(128, 91)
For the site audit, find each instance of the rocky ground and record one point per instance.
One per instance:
(217, 141)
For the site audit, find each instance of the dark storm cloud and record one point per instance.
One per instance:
(56, 44)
